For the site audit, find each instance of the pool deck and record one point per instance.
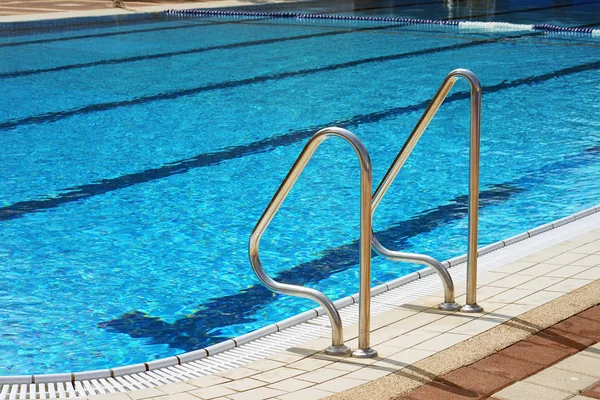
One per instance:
(39, 10)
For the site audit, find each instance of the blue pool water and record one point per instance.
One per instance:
(138, 157)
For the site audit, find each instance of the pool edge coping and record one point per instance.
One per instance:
(112, 14)
(229, 344)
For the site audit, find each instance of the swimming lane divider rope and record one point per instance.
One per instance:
(470, 25)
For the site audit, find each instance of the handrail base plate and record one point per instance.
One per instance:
(339, 351)
(471, 308)
(364, 353)
(449, 306)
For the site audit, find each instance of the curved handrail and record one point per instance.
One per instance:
(438, 99)
(337, 347)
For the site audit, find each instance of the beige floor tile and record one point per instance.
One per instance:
(238, 373)
(491, 276)
(589, 248)
(568, 285)
(567, 271)
(488, 292)
(511, 295)
(539, 298)
(411, 338)
(389, 317)
(427, 301)
(244, 384)
(306, 394)
(278, 374)
(515, 267)
(565, 258)
(540, 283)
(264, 365)
(209, 380)
(340, 384)
(560, 379)
(257, 394)
(571, 244)
(352, 343)
(177, 396)
(484, 293)
(370, 372)
(178, 387)
(384, 350)
(321, 375)
(442, 342)
(488, 307)
(404, 358)
(310, 364)
(354, 360)
(212, 392)
(449, 322)
(583, 364)
(530, 391)
(386, 333)
(511, 281)
(541, 256)
(144, 393)
(580, 397)
(540, 269)
(314, 345)
(476, 327)
(592, 274)
(346, 365)
(589, 261)
(512, 310)
(291, 385)
(416, 321)
(112, 396)
(286, 357)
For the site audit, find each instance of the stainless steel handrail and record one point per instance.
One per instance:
(337, 336)
(438, 99)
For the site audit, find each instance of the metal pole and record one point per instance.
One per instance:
(471, 305)
(364, 307)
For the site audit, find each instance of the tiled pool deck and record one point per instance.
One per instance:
(34, 10)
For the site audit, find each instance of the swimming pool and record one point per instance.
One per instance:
(138, 157)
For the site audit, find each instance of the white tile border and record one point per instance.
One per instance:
(271, 339)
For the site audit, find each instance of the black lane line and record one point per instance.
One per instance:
(58, 115)
(193, 332)
(229, 46)
(103, 186)
(522, 11)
